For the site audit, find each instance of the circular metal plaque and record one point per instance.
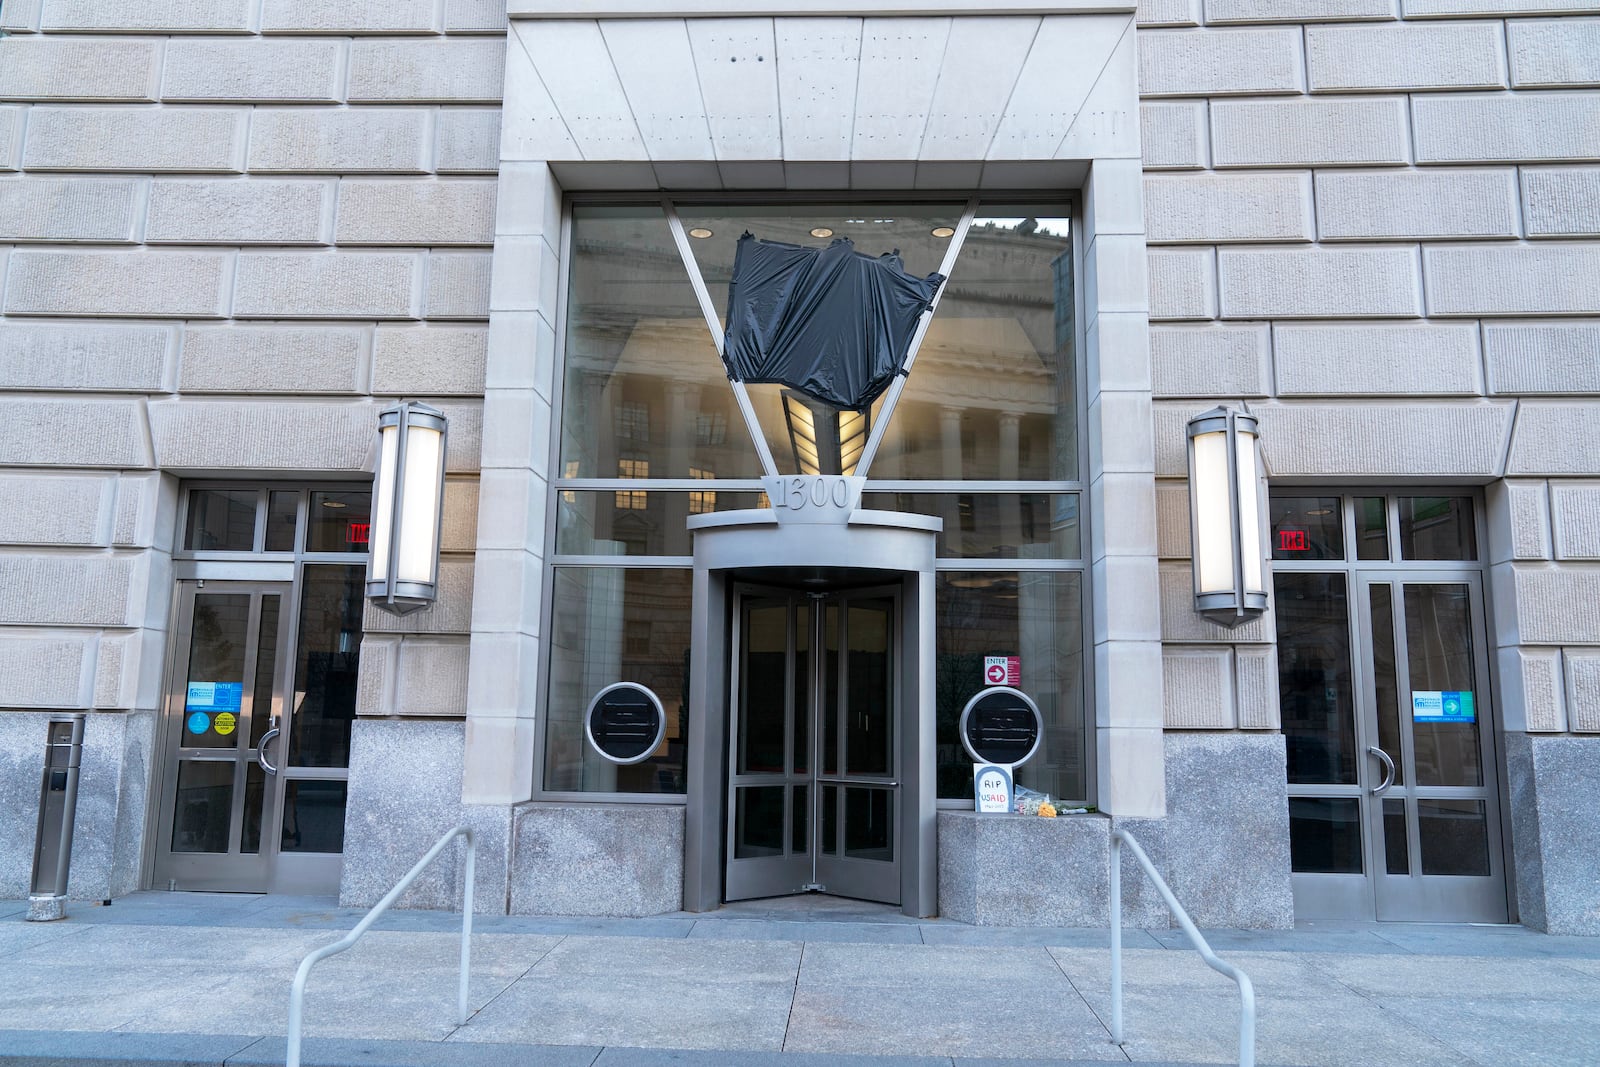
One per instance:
(625, 722)
(1001, 725)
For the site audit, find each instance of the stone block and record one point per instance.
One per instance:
(375, 676)
(1198, 686)
(465, 447)
(146, 16)
(1583, 690)
(1173, 135)
(1287, 283)
(597, 859)
(1181, 625)
(435, 361)
(1021, 870)
(1423, 9)
(10, 137)
(1117, 344)
(136, 139)
(458, 285)
(1541, 279)
(1212, 209)
(457, 211)
(1377, 359)
(349, 16)
(1117, 275)
(405, 794)
(113, 358)
(1367, 439)
(1130, 762)
(431, 677)
(1220, 62)
(1416, 204)
(1183, 283)
(1550, 53)
(20, 16)
(1256, 686)
(1561, 201)
(1553, 787)
(459, 532)
(1575, 513)
(451, 613)
(1440, 55)
(1122, 693)
(364, 140)
(62, 590)
(1533, 697)
(1172, 520)
(75, 433)
(40, 671)
(1168, 13)
(147, 284)
(254, 70)
(1555, 605)
(1222, 11)
(529, 204)
(1351, 131)
(53, 68)
(1170, 420)
(1519, 521)
(468, 140)
(1542, 357)
(328, 285)
(274, 359)
(1215, 361)
(63, 509)
(255, 212)
(60, 210)
(265, 436)
(1554, 438)
(145, 511)
(1226, 841)
(458, 71)
(1504, 127)
(475, 16)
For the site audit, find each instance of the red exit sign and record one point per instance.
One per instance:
(358, 533)
(1293, 541)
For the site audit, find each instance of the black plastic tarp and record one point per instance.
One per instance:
(830, 322)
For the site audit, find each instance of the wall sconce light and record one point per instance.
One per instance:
(1225, 516)
(408, 505)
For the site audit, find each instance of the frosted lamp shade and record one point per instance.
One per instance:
(1213, 540)
(383, 503)
(408, 495)
(1250, 553)
(418, 542)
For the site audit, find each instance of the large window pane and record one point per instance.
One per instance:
(1324, 835)
(1307, 527)
(329, 657)
(1036, 616)
(1314, 689)
(615, 624)
(221, 520)
(995, 525)
(646, 395)
(1437, 527)
(638, 522)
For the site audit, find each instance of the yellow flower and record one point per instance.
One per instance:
(1047, 810)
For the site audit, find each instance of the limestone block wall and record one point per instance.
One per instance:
(1377, 224)
(230, 232)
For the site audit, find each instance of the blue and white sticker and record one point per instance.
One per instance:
(199, 722)
(1448, 705)
(215, 696)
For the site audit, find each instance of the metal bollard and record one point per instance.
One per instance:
(58, 803)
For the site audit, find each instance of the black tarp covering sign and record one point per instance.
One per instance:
(831, 322)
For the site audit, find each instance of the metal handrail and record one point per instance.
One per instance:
(297, 991)
(1247, 991)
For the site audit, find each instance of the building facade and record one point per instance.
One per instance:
(231, 232)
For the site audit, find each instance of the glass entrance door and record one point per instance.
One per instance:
(813, 770)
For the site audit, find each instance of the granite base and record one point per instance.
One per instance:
(1554, 782)
(597, 859)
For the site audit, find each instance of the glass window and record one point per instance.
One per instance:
(1037, 617)
(1314, 685)
(327, 664)
(995, 525)
(339, 522)
(221, 520)
(1324, 835)
(617, 625)
(1372, 528)
(636, 523)
(283, 506)
(1307, 527)
(1437, 527)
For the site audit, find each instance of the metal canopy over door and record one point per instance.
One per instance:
(813, 781)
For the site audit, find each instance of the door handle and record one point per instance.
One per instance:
(266, 739)
(1388, 770)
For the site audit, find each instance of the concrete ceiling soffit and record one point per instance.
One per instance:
(822, 90)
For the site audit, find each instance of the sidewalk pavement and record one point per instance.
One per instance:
(194, 978)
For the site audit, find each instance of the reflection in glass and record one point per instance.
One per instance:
(1372, 528)
(829, 711)
(1036, 616)
(1396, 856)
(339, 522)
(758, 822)
(1439, 654)
(1314, 688)
(645, 387)
(1385, 683)
(328, 658)
(266, 668)
(995, 525)
(215, 682)
(799, 818)
(313, 816)
(869, 824)
(761, 705)
(204, 806)
(1325, 835)
(282, 515)
(1437, 527)
(800, 758)
(617, 624)
(869, 736)
(255, 781)
(221, 520)
(635, 523)
(1307, 527)
(829, 833)
(1454, 837)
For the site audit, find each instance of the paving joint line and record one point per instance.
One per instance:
(1057, 961)
(794, 994)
